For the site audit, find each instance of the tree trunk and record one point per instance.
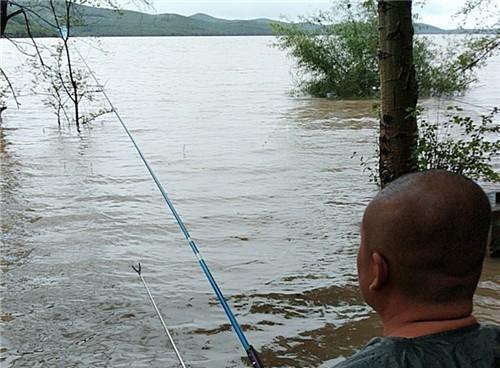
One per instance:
(398, 90)
(3, 16)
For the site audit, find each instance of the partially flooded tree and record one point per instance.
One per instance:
(62, 83)
(65, 92)
(6, 86)
(65, 86)
(336, 51)
(398, 90)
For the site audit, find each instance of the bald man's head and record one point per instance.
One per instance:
(431, 228)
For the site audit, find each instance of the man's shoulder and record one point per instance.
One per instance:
(475, 343)
(376, 353)
(494, 330)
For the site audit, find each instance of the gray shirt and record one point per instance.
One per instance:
(476, 346)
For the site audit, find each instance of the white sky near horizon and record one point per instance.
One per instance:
(435, 12)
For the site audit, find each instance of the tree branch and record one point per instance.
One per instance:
(10, 87)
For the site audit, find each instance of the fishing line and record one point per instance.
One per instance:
(249, 349)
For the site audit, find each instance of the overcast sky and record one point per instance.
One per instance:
(436, 12)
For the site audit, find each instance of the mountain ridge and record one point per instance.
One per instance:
(102, 22)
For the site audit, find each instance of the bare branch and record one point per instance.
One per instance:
(10, 87)
(36, 14)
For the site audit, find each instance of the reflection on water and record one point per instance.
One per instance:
(266, 183)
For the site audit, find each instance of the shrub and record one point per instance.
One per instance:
(336, 54)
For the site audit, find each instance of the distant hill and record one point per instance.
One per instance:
(422, 28)
(108, 22)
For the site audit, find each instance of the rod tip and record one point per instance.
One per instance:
(138, 268)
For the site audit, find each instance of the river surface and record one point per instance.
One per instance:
(266, 183)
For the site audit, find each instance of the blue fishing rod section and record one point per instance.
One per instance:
(249, 349)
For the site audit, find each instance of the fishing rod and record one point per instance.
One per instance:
(249, 349)
(138, 269)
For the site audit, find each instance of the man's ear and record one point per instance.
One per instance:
(380, 271)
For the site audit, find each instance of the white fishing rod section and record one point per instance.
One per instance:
(138, 269)
(249, 349)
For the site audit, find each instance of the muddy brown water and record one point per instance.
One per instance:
(266, 182)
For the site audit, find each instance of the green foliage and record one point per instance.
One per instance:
(336, 53)
(437, 71)
(460, 145)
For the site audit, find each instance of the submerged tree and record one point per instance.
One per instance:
(335, 51)
(336, 54)
(61, 81)
(66, 86)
